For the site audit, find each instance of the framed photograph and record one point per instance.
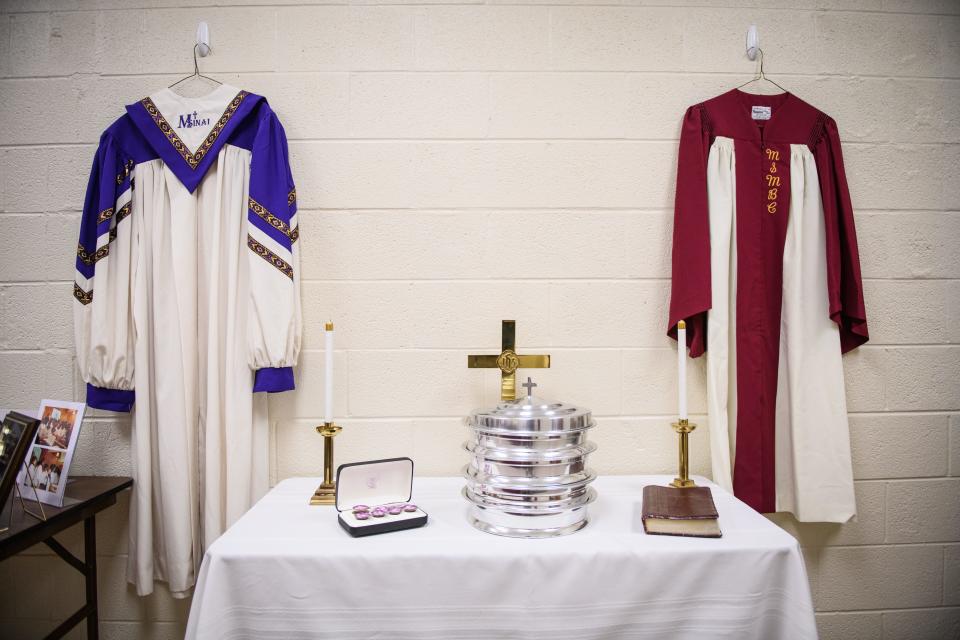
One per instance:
(52, 450)
(16, 434)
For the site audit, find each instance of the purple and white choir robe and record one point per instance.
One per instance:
(766, 274)
(186, 306)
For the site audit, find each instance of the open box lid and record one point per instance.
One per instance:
(374, 482)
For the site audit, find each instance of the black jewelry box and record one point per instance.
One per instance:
(374, 483)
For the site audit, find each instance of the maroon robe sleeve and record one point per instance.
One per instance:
(690, 285)
(844, 284)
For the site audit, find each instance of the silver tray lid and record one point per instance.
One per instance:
(531, 414)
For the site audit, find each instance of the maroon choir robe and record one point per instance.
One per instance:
(767, 276)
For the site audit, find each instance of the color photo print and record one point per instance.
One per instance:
(49, 459)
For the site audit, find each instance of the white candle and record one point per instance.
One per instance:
(328, 372)
(682, 366)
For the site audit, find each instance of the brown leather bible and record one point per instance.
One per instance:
(669, 511)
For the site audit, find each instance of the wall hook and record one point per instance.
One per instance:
(753, 42)
(203, 39)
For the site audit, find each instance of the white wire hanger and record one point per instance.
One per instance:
(196, 68)
(759, 76)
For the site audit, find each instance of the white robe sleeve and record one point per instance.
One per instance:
(274, 327)
(106, 260)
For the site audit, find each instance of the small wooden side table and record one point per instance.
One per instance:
(86, 496)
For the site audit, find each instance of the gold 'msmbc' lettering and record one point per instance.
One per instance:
(773, 181)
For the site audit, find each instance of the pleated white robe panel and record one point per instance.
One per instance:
(721, 318)
(191, 308)
(813, 464)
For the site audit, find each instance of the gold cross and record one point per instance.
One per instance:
(509, 361)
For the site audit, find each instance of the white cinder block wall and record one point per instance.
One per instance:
(458, 163)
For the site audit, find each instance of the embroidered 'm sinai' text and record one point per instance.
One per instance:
(191, 120)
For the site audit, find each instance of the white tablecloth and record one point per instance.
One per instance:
(287, 570)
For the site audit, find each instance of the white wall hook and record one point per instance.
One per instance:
(203, 39)
(753, 42)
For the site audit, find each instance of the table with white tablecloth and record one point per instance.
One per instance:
(287, 570)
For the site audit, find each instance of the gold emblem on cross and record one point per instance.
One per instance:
(509, 361)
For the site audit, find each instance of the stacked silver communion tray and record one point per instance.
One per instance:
(527, 476)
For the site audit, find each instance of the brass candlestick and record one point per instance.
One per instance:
(684, 427)
(327, 491)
